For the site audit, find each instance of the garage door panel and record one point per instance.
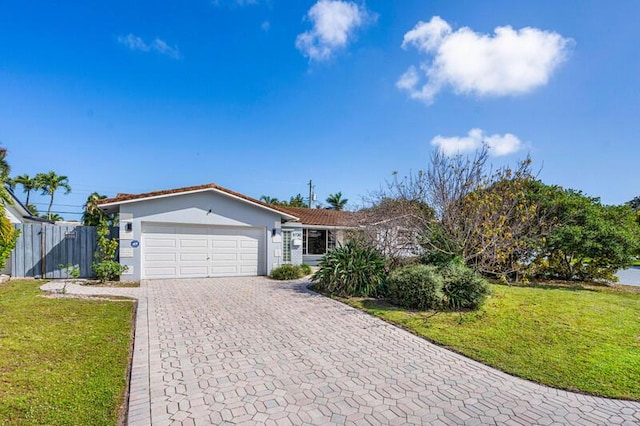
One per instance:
(193, 271)
(160, 242)
(201, 251)
(223, 271)
(187, 243)
(224, 244)
(160, 272)
(194, 257)
(160, 257)
(225, 257)
(249, 257)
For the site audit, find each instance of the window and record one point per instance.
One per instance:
(331, 240)
(286, 246)
(318, 241)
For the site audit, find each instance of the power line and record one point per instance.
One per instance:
(61, 212)
(56, 204)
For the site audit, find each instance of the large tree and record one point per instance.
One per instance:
(336, 202)
(50, 183)
(485, 218)
(589, 240)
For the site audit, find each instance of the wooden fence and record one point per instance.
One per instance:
(44, 250)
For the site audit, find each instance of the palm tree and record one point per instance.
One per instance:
(336, 202)
(27, 182)
(269, 200)
(92, 214)
(54, 217)
(297, 201)
(49, 183)
(32, 209)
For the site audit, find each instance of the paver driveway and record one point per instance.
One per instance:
(254, 351)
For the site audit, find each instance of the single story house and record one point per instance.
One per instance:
(211, 231)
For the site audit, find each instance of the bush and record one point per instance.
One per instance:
(287, 272)
(306, 269)
(105, 265)
(463, 288)
(108, 270)
(416, 287)
(352, 269)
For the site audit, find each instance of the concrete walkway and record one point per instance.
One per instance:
(254, 351)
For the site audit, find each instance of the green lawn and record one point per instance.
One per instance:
(62, 361)
(585, 339)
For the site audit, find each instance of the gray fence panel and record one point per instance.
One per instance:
(62, 245)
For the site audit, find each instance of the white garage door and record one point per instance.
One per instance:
(200, 251)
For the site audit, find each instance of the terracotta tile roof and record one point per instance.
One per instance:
(323, 216)
(130, 197)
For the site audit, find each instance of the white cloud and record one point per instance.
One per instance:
(498, 145)
(134, 43)
(507, 62)
(160, 46)
(163, 48)
(266, 26)
(334, 24)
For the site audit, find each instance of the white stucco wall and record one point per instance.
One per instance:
(12, 214)
(202, 208)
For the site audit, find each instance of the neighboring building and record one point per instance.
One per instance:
(18, 212)
(314, 233)
(209, 231)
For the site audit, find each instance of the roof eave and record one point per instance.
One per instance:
(154, 197)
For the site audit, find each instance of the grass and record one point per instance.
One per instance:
(62, 361)
(581, 339)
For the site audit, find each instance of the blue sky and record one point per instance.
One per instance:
(261, 96)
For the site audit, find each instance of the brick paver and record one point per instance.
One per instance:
(253, 351)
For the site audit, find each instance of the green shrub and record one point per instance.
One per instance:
(108, 270)
(105, 265)
(416, 287)
(306, 269)
(463, 288)
(287, 272)
(352, 269)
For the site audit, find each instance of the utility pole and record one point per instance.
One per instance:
(312, 194)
